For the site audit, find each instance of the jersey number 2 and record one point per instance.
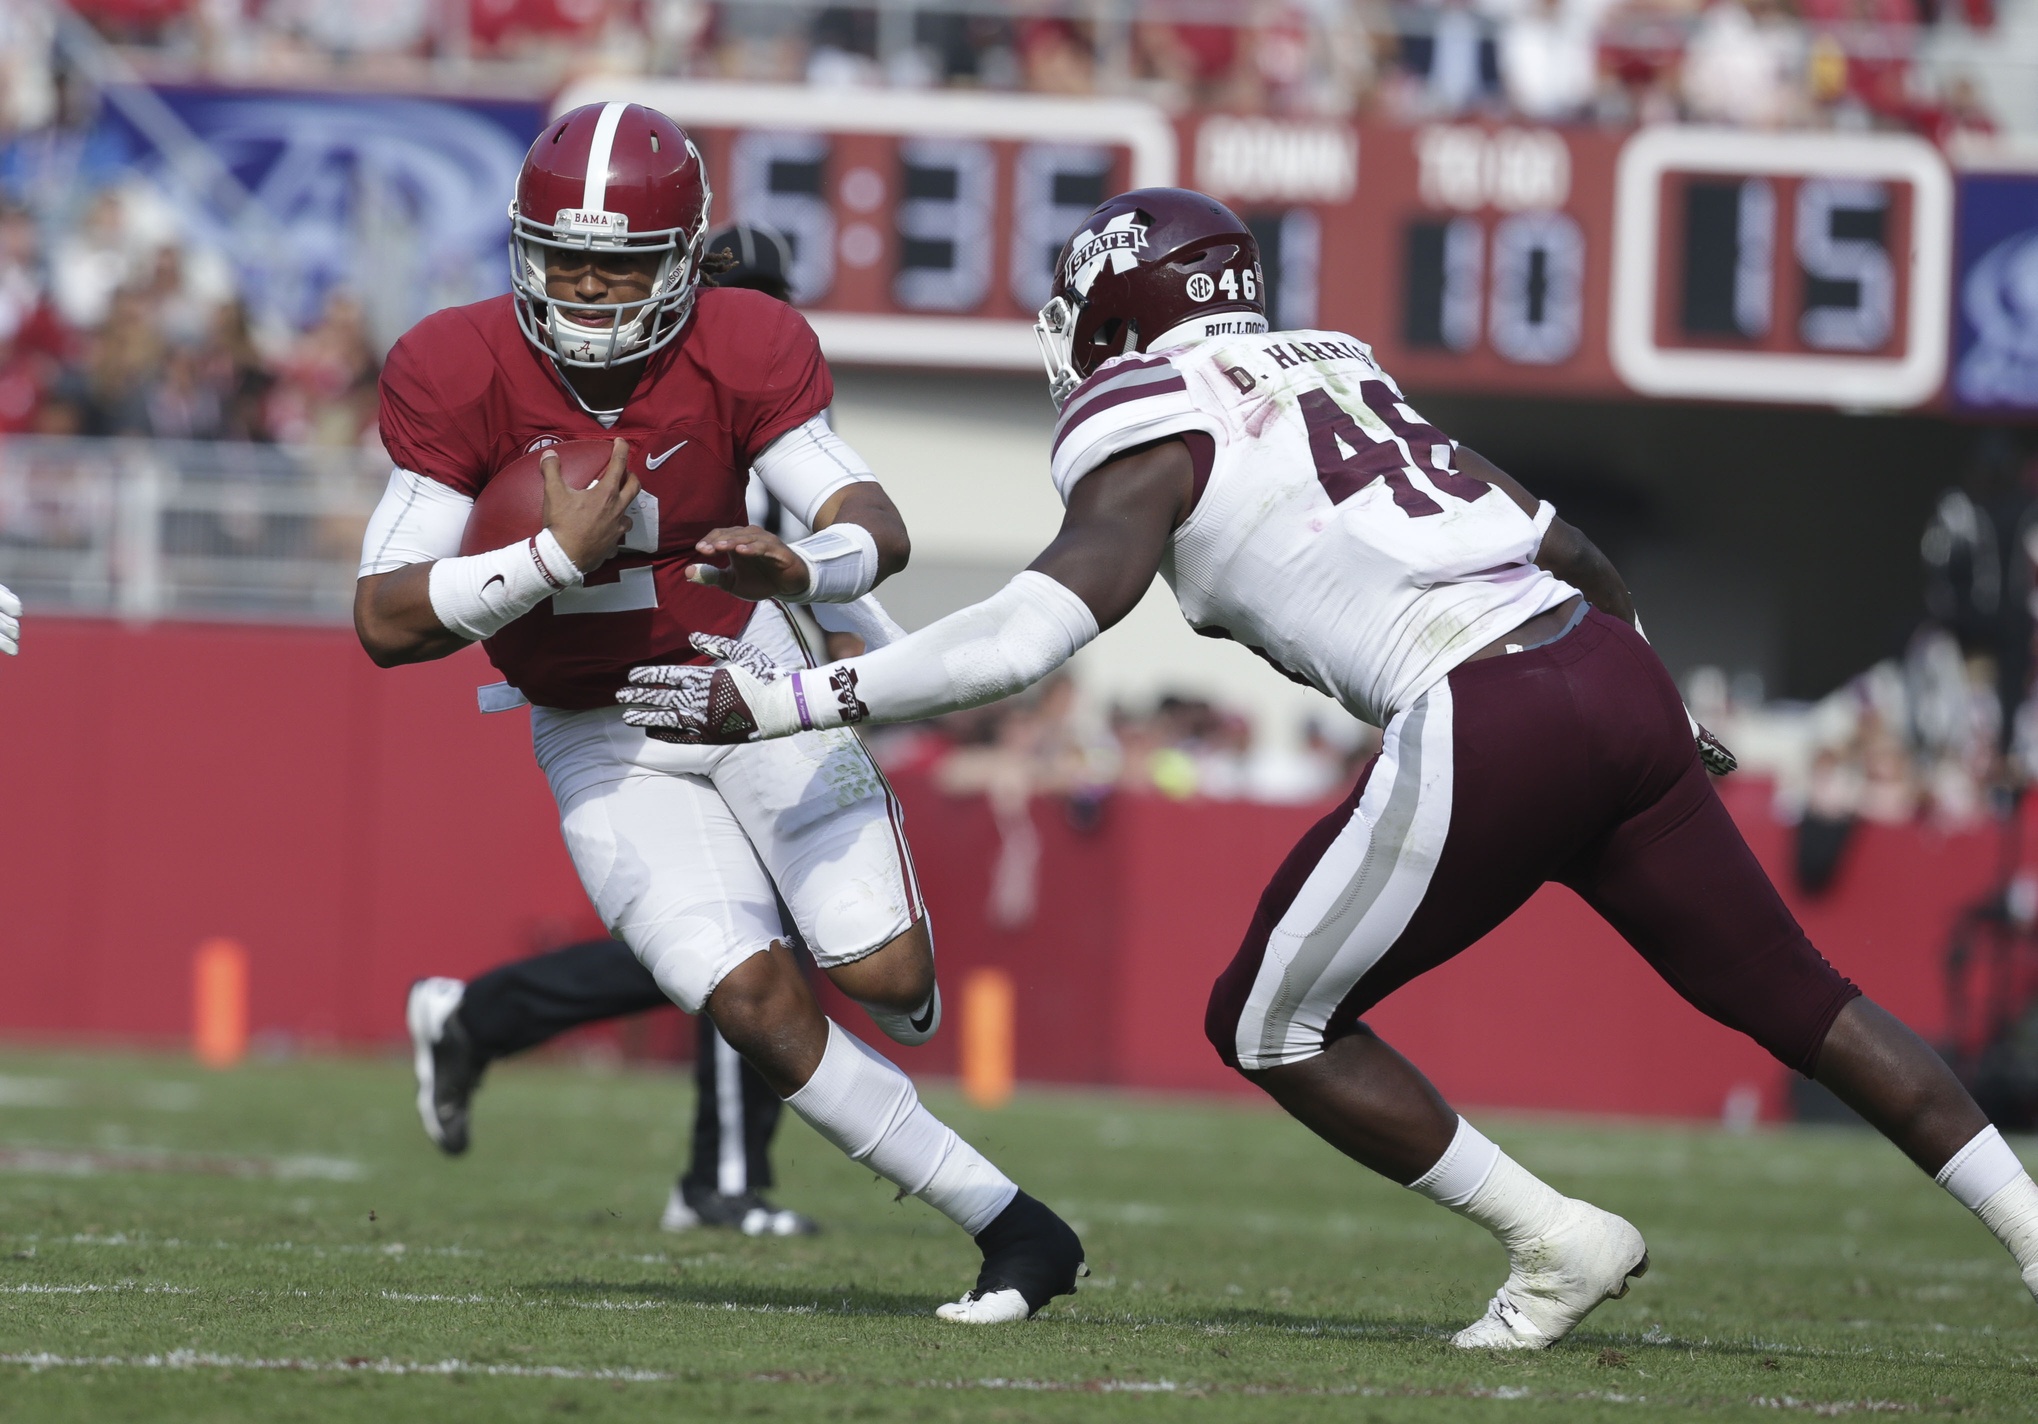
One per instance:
(632, 589)
(1333, 432)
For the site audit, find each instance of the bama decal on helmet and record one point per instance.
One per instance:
(1119, 244)
(588, 220)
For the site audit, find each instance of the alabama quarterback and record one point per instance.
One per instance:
(608, 332)
(1285, 489)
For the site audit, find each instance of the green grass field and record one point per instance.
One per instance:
(280, 1243)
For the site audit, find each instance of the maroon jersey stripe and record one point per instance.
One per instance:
(1110, 399)
(1111, 371)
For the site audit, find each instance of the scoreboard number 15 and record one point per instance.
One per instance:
(1799, 268)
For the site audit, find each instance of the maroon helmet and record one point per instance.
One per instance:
(1147, 270)
(609, 177)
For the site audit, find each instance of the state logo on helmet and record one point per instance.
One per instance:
(1149, 269)
(616, 180)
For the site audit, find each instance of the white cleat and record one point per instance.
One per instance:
(995, 1308)
(442, 1096)
(1552, 1285)
(678, 1216)
(688, 1209)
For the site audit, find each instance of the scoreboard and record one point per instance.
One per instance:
(924, 226)
(1790, 267)
(1694, 263)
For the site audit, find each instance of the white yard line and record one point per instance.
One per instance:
(94, 1290)
(93, 1162)
(605, 1304)
(204, 1360)
(142, 1241)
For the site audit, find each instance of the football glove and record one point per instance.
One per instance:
(716, 705)
(10, 621)
(1711, 750)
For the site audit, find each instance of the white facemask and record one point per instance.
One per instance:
(621, 337)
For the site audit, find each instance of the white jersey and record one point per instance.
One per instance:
(1334, 535)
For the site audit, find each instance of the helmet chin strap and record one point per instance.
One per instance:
(608, 343)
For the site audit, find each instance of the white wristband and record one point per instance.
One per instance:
(478, 596)
(841, 564)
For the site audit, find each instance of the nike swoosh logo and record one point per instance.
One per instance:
(497, 579)
(920, 1024)
(653, 462)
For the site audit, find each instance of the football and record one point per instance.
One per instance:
(511, 506)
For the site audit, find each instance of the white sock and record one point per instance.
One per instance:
(869, 1109)
(1479, 1182)
(1986, 1178)
(1462, 1170)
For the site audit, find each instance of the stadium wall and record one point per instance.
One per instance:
(355, 828)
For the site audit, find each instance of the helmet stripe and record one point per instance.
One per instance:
(595, 197)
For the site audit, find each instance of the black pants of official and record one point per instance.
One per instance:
(521, 1004)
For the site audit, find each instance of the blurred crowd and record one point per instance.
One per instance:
(124, 329)
(118, 329)
(1916, 737)
(1050, 741)
(1945, 732)
(1764, 63)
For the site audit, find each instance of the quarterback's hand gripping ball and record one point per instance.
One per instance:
(693, 705)
(10, 621)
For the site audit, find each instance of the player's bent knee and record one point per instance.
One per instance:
(1226, 1007)
(898, 975)
(765, 1010)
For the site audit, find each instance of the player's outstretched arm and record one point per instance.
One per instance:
(1099, 566)
(10, 621)
(433, 609)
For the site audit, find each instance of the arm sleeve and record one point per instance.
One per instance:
(807, 465)
(418, 521)
(989, 650)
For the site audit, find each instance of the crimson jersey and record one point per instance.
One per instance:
(464, 394)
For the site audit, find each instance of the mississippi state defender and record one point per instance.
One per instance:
(1294, 501)
(607, 332)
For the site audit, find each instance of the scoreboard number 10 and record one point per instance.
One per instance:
(1522, 281)
(1803, 267)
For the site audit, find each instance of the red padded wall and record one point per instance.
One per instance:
(355, 828)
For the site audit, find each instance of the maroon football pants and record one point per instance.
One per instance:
(1570, 762)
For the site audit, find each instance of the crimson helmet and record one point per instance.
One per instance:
(1148, 269)
(609, 178)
